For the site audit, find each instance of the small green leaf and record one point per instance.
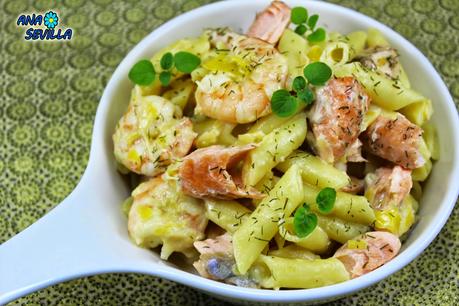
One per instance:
(312, 21)
(165, 78)
(186, 62)
(301, 29)
(317, 73)
(317, 36)
(304, 221)
(167, 60)
(283, 104)
(326, 200)
(142, 73)
(306, 95)
(299, 15)
(299, 83)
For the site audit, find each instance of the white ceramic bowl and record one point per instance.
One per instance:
(87, 233)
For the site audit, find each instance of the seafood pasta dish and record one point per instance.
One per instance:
(288, 156)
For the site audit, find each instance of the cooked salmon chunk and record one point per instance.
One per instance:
(388, 187)
(337, 116)
(396, 140)
(271, 23)
(212, 172)
(367, 252)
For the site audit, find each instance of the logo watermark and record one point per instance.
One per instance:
(43, 27)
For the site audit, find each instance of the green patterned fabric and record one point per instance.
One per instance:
(49, 94)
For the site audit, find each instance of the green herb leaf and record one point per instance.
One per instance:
(301, 29)
(283, 104)
(317, 73)
(186, 62)
(299, 83)
(317, 36)
(167, 60)
(165, 78)
(142, 73)
(299, 15)
(326, 200)
(312, 21)
(304, 221)
(306, 95)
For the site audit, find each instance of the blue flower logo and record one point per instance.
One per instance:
(51, 20)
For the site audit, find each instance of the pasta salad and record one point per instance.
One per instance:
(285, 157)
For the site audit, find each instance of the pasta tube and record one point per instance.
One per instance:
(431, 140)
(383, 91)
(356, 41)
(229, 215)
(317, 241)
(303, 273)
(349, 207)
(294, 251)
(254, 234)
(315, 171)
(274, 148)
(340, 230)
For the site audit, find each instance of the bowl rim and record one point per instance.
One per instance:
(295, 295)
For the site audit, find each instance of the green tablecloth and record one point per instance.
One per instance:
(49, 95)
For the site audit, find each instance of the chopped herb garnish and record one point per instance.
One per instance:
(165, 78)
(299, 15)
(167, 60)
(301, 29)
(283, 103)
(186, 62)
(142, 73)
(304, 221)
(317, 36)
(312, 21)
(326, 200)
(306, 95)
(317, 73)
(299, 83)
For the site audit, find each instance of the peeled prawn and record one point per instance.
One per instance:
(211, 172)
(241, 79)
(151, 134)
(397, 140)
(271, 22)
(372, 250)
(388, 187)
(161, 214)
(337, 117)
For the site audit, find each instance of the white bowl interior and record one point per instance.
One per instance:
(439, 193)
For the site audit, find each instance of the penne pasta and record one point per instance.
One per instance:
(303, 273)
(349, 207)
(317, 241)
(383, 91)
(293, 251)
(315, 171)
(273, 149)
(340, 230)
(229, 215)
(254, 234)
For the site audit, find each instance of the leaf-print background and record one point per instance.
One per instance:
(49, 94)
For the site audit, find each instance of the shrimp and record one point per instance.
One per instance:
(387, 187)
(161, 214)
(241, 78)
(355, 186)
(337, 117)
(377, 249)
(212, 172)
(397, 140)
(271, 23)
(151, 134)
